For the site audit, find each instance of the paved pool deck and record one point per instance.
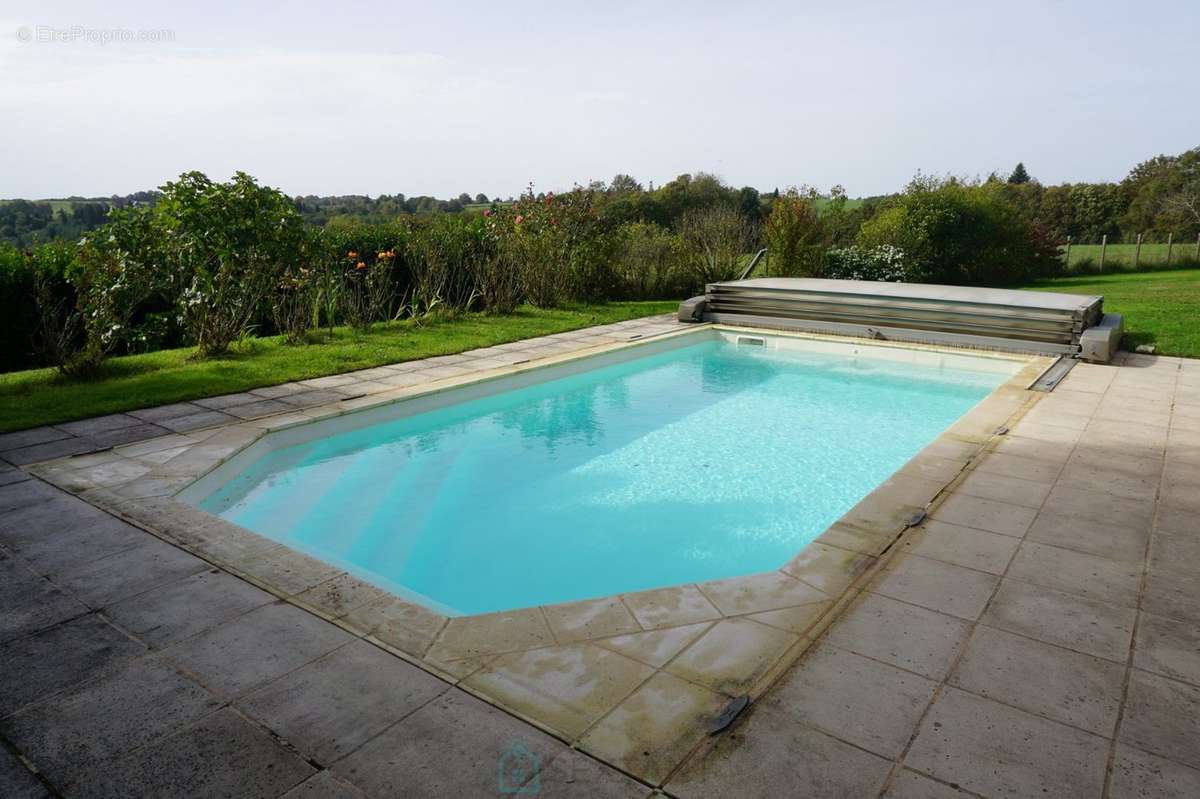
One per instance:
(1037, 635)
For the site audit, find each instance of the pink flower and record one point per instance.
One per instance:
(520, 219)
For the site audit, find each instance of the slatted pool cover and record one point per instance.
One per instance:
(996, 318)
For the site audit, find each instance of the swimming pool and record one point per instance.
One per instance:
(713, 455)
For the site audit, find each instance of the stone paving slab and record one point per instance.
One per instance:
(30, 603)
(856, 699)
(995, 750)
(985, 716)
(62, 656)
(182, 608)
(256, 648)
(221, 755)
(782, 758)
(1046, 680)
(18, 782)
(78, 735)
(334, 704)
(411, 758)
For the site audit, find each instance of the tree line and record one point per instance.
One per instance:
(1158, 197)
(203, 263)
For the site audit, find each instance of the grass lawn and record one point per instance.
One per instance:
(1160, 308)
(40, 396)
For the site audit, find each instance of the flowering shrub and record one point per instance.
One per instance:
(226, 246)
(343, 292)
(367, 289)
(559, 247)
(294, 302)
(118, 271)
(884, 262)
(588, 244)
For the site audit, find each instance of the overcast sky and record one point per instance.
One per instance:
(441, 98)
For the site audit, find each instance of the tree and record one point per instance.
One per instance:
(1019, 175)
(962, 234)
(715, 240)
(749, 203)
(464, 199)
(1164, 195)
(622, 183)
(795, 235)
(482, 199)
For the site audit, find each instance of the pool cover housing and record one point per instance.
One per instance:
(1022, 321)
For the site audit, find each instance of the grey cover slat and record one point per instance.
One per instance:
(995, 318)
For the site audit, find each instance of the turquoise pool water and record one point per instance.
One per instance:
(708, 461)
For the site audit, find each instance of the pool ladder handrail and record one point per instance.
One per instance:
(753, 263)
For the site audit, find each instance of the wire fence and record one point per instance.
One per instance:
(1140, 254)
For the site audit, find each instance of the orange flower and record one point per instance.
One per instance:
(352, 255)
(360, 265)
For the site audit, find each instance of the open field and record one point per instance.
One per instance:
(59, 205)
(40, 396)
(851, 203)
(1160, 308)
(1123, 254)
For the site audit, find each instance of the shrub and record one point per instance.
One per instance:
(531, 245)
(497, 279)
(649, 262)
(59, 335)
(442, 264)
(588, 244)
(367, 291)
(715, 242)
(21, 322)
(559, 245)
(294, 303)
(225, 246)
(953, 232)
(532, 249)
(337, 291)
(796, 237)
(118, 272)
(884, 262)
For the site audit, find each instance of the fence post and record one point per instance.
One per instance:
(1198, 246)
(1103, 249)
(1067, 266)
(1170, 244)
(1137, 254)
